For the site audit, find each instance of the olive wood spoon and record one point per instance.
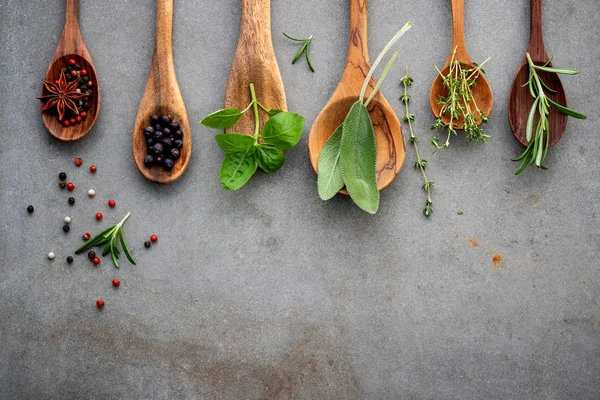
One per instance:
(482, 93)
(71, 45)
(388, 132)
(162, 96)
(520, 100)
(254, 62)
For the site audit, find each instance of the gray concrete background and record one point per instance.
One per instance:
(269, 292)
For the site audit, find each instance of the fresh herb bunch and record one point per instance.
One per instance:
(109, 238)
(349, 156)
(303, 49)
(460, 103)
(244, 153)
(536, 152)
(421, 163)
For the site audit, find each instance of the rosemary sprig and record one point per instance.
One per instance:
(460, 103)
(420, 164)
(536, 152)
(303, 49)
(109, 238)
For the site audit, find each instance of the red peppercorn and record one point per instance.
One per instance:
(83, 113)
(86, 99)
(96, 260)
(74, 73)
(78, 162)
(89, 84)
(116, 282)
(112, 203)
(72, 121)
(72, 61)
(92, 169)
(86, 236)
(83, 72)
(153, 238)
(66, 122)
(99, 303)
(70, 186)
(98, 216)
(78, 118)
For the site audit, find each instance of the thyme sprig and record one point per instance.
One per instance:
(303, 49)
(460, 103)
(536, 152)
(421, 163)
(109, 238)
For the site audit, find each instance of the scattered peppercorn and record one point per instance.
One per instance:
(62, 176)
(69, 259)
(70, 186)
(86, 236)
(153, 238)
(62, 185)
(51, 256)
(92, 169)
(91, 192)
(147, 244)
(96, 261)
(98, 216)
(67, 220)
(71, 200)
(112, 203)
(66, 228)
(91, 255)
(100, 303)
(30, 209)
(116, 282)
(78, 162)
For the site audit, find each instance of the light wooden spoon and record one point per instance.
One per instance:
(482, 93)
(388, 132)
(254, 62)
(520, 100)
(162, 96)
(71, 45)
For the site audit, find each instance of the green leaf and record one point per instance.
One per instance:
(330, 179)
(283, 130)
(567, 111)
(95, 241)
(273, 112)
(270, 157)
(125, 248)
(234, 142)
(237, 169)
(529, 126)
(222, 119)
(358, 158)
(564, 71)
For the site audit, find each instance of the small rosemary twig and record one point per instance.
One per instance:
(303, 49)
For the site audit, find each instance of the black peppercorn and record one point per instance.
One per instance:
(30, 209)
(71, 200)
(166, 131)
(69, 259)
(148, 160)
(62, 176)
(148, 131)
(165, 119)
(154, 119)
(167, 163)
(91, 255)
(62, 185)
(174, 126)
(178, 134)
(147, 244)
(178, 143)
(66, 228)
(174, 154)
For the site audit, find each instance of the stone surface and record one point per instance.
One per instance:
(269, 292)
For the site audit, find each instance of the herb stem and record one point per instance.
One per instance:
(383, 75)
(255, 107)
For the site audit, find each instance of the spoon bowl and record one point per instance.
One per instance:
(389, 140)
(71, 46)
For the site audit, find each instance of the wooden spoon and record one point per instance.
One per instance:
(71, 46)
(388, 132)
(254, 62)
(520, 100)
(482, 94)
(162, 96)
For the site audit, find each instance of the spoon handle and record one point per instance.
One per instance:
(458, 30)
(256, 22)
(358, 49)
(71, 40)
(164, 29)
(536, 37)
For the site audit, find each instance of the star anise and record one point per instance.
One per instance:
(61, 95)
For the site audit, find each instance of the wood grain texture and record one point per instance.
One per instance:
(388, 132)
(482, 93)
(71, 45)
(520, 100)
(254, 62)
(162, 96)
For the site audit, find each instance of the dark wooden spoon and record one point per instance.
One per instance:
(71, 46)
(388, 132)
(254, 62)
(482, 93)
(520, 100)
(162, 96)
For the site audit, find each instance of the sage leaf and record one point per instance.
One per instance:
(283, 130)
(330, 179)
(222, 119)
(270, 157)
(237, 169)
(234, 142)
(359, 158)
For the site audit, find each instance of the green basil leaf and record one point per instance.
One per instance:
(359, 158)
(270, 157)
(222, 119)
(238, 168)
(283, 129)
(234, 142)
(330, 179)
